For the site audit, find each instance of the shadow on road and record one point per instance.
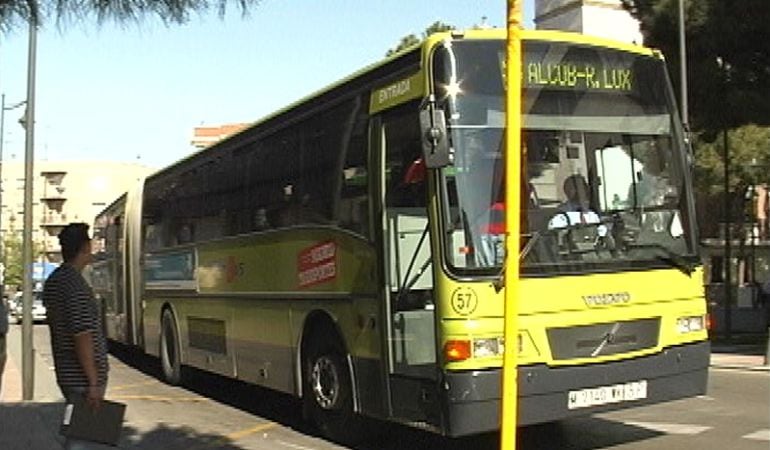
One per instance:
(271, 405)
(587, 433)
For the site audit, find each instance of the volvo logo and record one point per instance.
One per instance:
(609, 338)
(607, 299)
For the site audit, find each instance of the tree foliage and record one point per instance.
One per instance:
(728, 61)
(728, 67)
(12, 258)
(16, 12)
(412, 39)
(748, 156)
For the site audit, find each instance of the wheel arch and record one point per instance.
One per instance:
(317, 322)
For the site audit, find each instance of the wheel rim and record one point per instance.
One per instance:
(325, 382)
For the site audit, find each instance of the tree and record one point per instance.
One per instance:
(728, 66)
(14, 270)
(727, 53)
(16, 12)
(749, 159)
(411, 39)
(12, 261)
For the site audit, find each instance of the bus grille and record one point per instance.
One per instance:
(590, 341)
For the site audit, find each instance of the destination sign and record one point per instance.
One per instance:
(584, 68)
(583, 76)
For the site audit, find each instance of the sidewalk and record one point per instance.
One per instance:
(29, 425)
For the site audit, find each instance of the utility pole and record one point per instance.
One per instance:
(728, 240)
(683, 71)
(28, 351)
(2, 235)
(724, 68)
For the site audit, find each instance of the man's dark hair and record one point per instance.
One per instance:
(72, 238)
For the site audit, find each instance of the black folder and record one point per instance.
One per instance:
(103, 425)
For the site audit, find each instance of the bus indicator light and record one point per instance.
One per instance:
(457, 350)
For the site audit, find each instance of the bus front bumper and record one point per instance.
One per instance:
(473, 397)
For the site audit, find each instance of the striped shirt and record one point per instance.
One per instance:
(71, 310)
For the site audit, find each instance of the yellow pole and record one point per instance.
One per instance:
(508, 419)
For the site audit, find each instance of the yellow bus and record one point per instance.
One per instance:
(348, 249)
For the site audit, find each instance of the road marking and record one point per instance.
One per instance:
(130, 386)
(290, 445)
(670, 428)
(761, 435)
(255, 429)
(158, 398)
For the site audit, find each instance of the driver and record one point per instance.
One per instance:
(576, 208)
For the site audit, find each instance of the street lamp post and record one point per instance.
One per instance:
(28, 351)
(683, 70)
(724, 69)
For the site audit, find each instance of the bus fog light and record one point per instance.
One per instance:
(483, 348)
(690, 324)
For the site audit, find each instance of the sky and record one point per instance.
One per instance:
(134, 92)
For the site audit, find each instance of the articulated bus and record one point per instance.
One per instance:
(348, 249)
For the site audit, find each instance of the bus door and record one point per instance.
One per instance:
(411, 333)
(118, 277)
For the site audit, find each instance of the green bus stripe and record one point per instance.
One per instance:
(396, 93)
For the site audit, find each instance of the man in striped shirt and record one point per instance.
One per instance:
(77, 336)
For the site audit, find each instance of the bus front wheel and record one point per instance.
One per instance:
(170, 359)
(328, 395)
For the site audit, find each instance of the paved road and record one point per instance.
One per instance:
(211, 412)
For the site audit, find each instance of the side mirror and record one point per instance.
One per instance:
(435, 143)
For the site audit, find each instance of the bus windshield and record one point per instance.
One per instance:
(605, 174)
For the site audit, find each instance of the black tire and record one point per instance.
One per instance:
(328, 392)
(170, 359)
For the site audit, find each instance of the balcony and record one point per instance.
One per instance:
(54, 177)
(51, 222)
(53, 194)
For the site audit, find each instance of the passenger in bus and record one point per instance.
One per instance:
(260, 220)
(412, 188)
(185, 234)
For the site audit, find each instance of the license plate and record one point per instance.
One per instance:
(604, 395)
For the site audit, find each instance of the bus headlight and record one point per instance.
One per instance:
(484, 348)
(689, 324)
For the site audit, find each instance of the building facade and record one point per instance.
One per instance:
(63, 192)
(602, 18)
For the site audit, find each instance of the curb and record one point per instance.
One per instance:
(739, 362)
(740, 367)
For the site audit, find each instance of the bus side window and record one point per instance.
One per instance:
(354, 200)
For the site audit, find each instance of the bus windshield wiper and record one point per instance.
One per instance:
(670, 257)
(530, 245)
